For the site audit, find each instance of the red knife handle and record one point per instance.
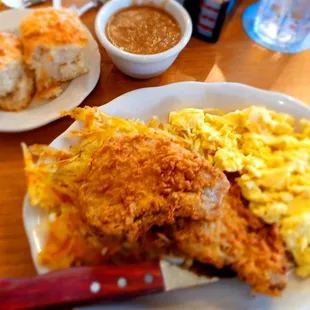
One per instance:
(83, 285)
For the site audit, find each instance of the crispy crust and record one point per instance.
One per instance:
(53, 42)
(136, 182)
(241, 240)
(51, 28)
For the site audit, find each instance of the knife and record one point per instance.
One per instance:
(85, 285)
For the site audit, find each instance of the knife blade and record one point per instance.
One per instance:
(85, 285)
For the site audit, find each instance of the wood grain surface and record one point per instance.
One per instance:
(235, 58)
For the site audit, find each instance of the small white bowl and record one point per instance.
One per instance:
(143, 66)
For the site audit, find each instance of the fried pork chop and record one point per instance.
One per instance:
(136, 182)
(238, 239)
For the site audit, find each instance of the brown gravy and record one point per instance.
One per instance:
(143, 29)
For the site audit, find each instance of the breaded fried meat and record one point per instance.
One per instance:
(136, 182)
(254, 250)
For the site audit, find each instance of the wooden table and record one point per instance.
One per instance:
(235, 58)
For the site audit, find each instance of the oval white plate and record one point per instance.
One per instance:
(42, 113)
(143, 104)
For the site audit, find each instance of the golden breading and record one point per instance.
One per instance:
(238, 239)
(136, 182)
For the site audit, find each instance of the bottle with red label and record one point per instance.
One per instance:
(208, 17)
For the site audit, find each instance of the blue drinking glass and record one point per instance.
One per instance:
(280, 25)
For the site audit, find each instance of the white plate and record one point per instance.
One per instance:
(143, 104)
(42, 113)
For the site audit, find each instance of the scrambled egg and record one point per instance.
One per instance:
(273, 162)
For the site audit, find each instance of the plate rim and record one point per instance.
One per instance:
(95, 78)
(277, 95)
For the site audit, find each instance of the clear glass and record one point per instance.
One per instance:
(282, 25)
